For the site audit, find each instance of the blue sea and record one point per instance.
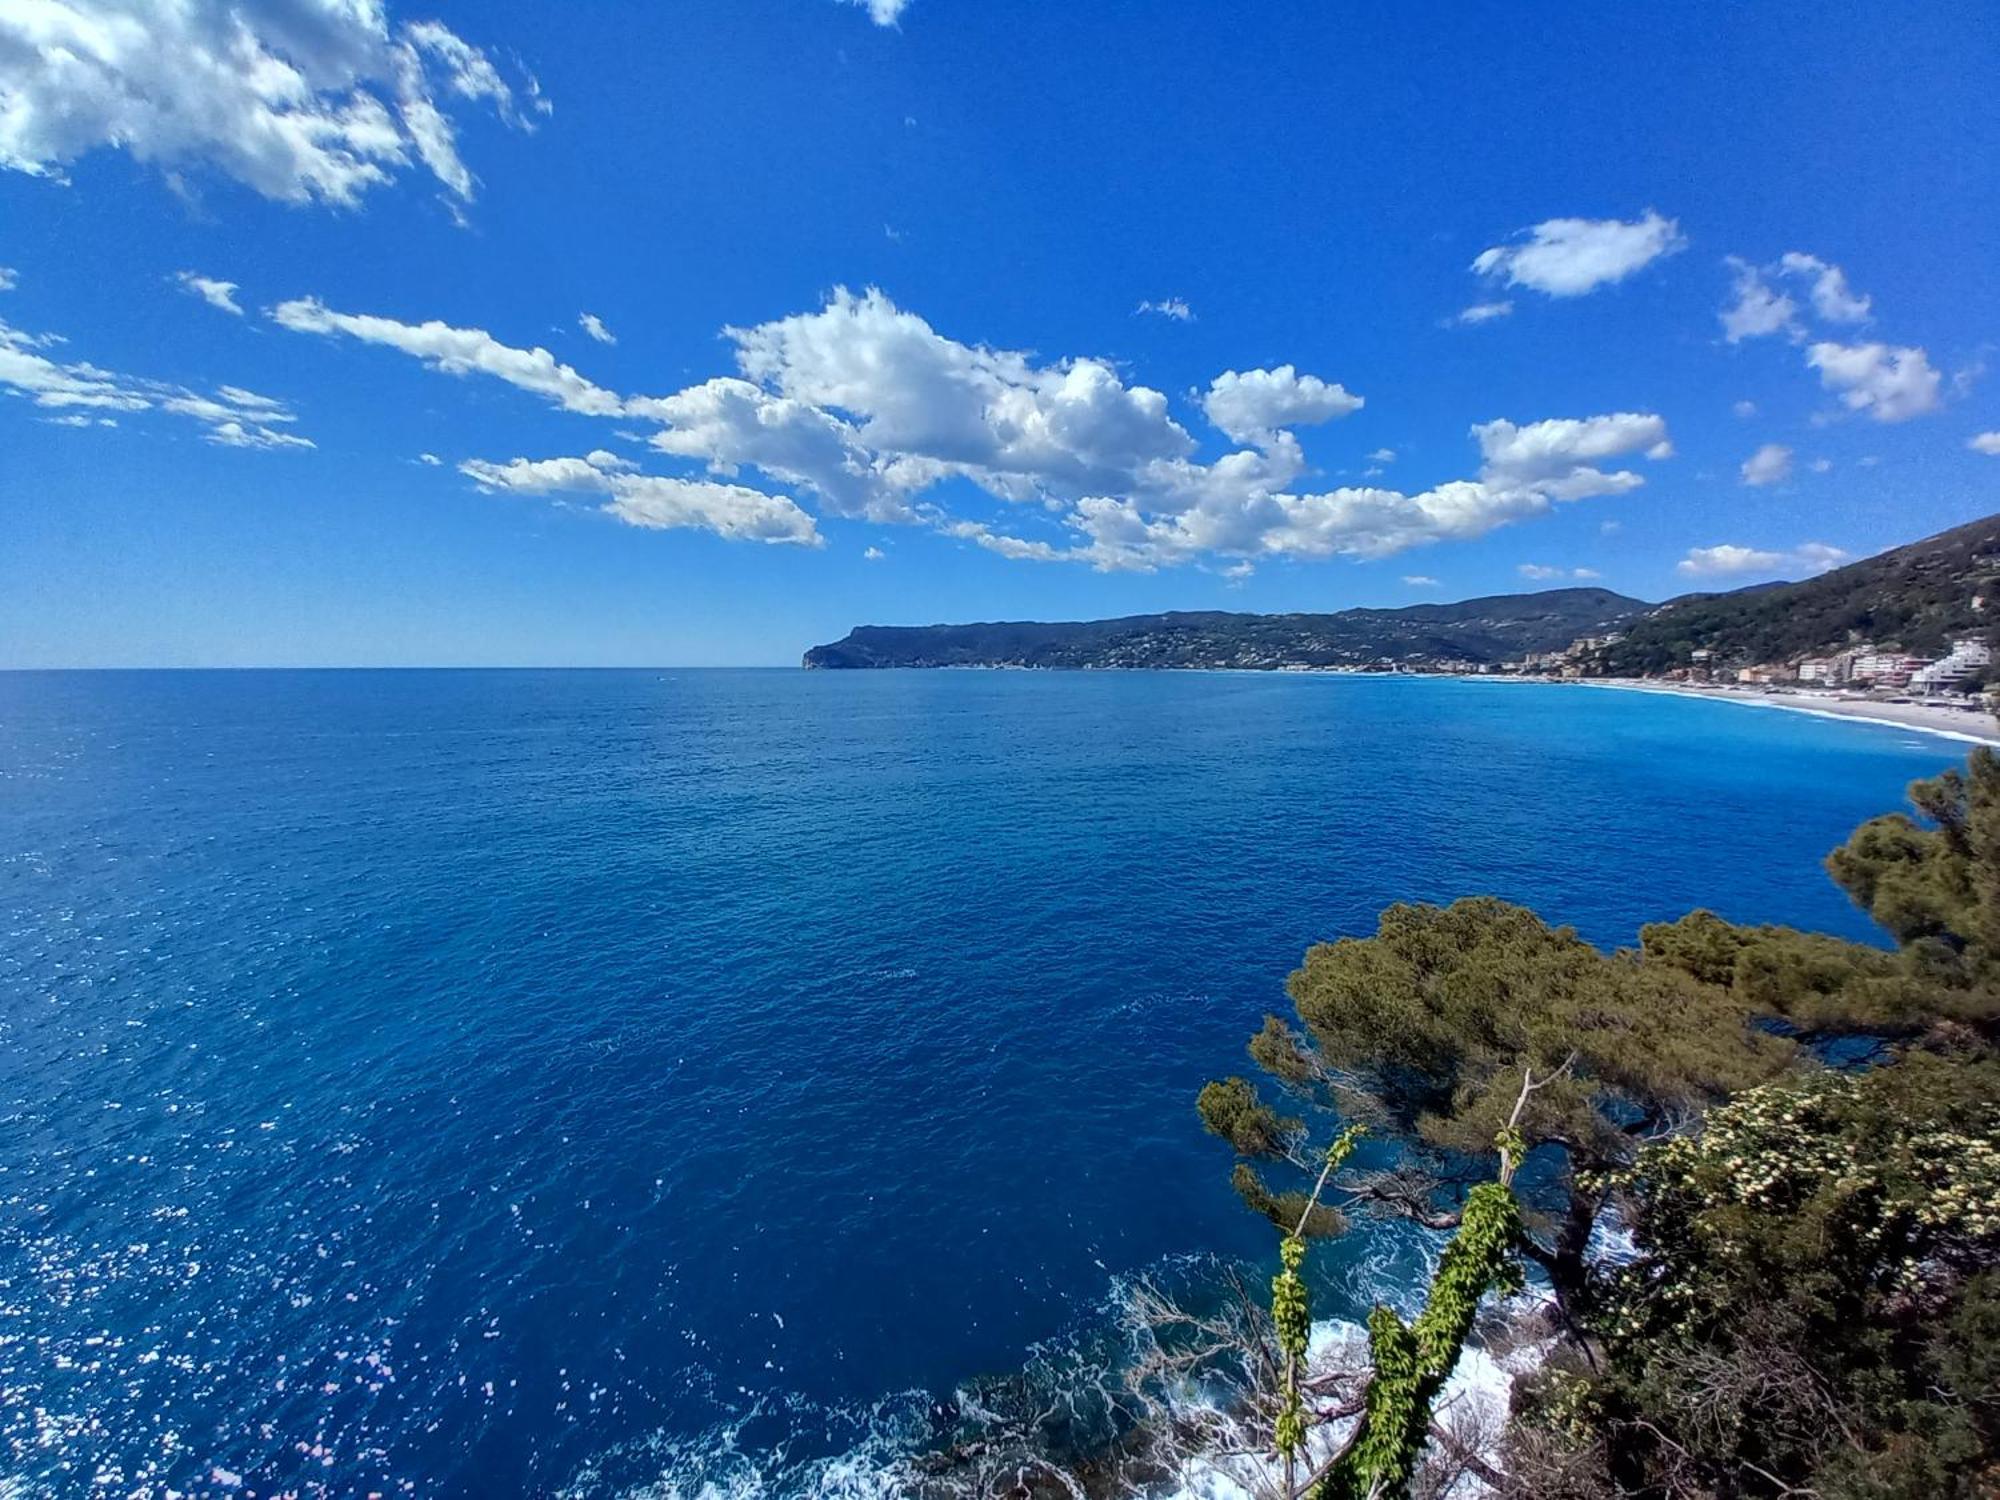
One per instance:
(680, 1083)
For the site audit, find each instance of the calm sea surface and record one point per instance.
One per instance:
(479, 1083)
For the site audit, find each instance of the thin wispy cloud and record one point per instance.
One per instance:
(220, 295)
(79, 392)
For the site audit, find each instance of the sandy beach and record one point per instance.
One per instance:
(1970, 725)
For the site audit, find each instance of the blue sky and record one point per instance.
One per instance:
(945, 311)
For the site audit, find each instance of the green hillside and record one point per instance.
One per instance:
(1917, 597)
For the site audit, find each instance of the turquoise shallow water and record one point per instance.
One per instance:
(492, 1082)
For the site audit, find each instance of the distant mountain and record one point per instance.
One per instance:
(1474, 631)
(1917, 597)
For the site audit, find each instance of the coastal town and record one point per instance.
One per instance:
(1951, 692)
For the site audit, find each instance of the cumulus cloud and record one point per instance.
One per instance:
(9, 278)
(1889, 384)
(1571, 257)
(1252, 406)
(1171, 307)
(1985, 442)
(217, 294)
(231, 416)
(655, 502)
(593, 325)
(1768, 465)
(1558, 458)
(1728, 560)
(456, 351)
(301, 100)
(1762, 306)
(1420, 581)
(1759, 308)
(929, 408)
(1541, 572)
(873, 554)
(1745, 409)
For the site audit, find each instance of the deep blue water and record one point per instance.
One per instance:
(504, 1082)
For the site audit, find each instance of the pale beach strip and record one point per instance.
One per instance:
(1965, 725)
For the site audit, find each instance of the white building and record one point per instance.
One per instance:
(1967, 658)
(1885, 668)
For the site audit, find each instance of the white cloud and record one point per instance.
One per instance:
(1420, 581)
(9, 278)
(593, 325)
(1727, 560)
(1887, 383)
(217, 294)
(1382, 456)
(1832, 298)
(1762, 309)
(233, 416)
(1542, 572)
(1481, 312)
(306, 100)
(868, 410)
(727, 423)
(232, 433)
(1252, 406)
(1759, 309)
(1821, 466)
(1745, 409)
(430, 459)
(1171, 307)
(1571, 257)
(883, 12)
(456, 351)
(1558, 457)
(1985, 442)
(874, 554)
(1768, 465)
(654, 502)
(929, 407)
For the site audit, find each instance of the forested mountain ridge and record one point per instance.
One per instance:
(1471, 632)
(1916, 597)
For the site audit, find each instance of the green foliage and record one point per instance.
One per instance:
(1814, 1309)
(1411, 1364)
(1934, 886)
(1819, 983)
(1435, 1016)
(1936, 889)
(1288, 1212)
(1231, 1109)
(1812, 1306)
